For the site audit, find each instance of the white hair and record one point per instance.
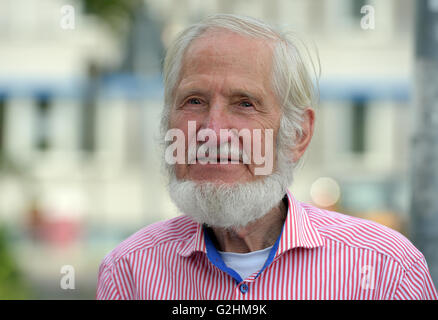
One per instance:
(291, 78)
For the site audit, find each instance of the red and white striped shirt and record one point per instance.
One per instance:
(319, 255)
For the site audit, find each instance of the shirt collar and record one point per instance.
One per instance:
(298, 231)
(195, 243)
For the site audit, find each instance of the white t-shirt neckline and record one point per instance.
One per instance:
(245, 264)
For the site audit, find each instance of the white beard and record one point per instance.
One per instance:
(231, 205)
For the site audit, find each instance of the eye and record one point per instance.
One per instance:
(246, 104)
(194, 101)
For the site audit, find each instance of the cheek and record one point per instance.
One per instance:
(180, 119)
(265, 125)
(180, 171)
(265, 142)
(175, 120)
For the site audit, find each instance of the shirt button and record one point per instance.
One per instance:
(244, 288)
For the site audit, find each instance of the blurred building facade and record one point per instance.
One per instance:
(79, 115)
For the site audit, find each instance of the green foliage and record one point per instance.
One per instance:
(11, 280)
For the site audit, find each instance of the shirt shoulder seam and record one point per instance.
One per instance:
(116, 258)
(405, 269)
(403, 276)
(404, 266)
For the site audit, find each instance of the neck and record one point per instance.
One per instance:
(257, 235)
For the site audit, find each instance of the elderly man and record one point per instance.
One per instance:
(242, 235)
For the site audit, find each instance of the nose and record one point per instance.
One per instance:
(217, 118)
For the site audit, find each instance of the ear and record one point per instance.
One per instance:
(303, 141)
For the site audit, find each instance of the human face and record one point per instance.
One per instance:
(225, 83)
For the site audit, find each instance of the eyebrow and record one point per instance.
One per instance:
(245, 93)
(196, 90)
(193, 91)
(189, 90)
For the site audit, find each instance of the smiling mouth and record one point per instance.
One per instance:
(223, 155)
(218, 160)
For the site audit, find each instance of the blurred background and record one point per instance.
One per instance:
(81, 95)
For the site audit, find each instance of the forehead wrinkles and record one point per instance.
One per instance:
(225, 51)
